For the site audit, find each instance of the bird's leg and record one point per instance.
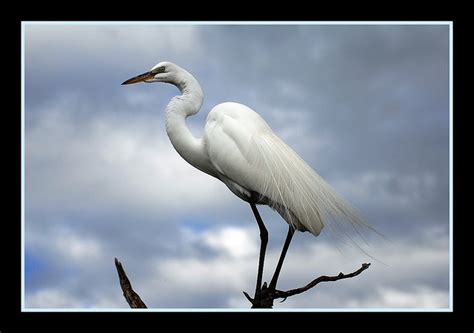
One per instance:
(263, 248)
(289, 236)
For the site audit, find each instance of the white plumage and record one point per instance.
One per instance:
(240, 149)
(249, 157)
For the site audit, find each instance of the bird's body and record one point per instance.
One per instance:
(228, 135)
(256, 164)
(240, 149)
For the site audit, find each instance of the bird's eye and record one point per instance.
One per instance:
(158, 70)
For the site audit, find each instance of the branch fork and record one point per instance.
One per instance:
(266, 296)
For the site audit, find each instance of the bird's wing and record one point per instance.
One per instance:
(244, 149)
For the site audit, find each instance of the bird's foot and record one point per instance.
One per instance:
(263, 299)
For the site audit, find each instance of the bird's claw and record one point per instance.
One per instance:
(248, 297)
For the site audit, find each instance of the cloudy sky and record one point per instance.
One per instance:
(365, 106)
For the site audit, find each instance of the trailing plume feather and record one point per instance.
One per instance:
(291, 187)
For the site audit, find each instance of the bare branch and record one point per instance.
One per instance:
(265, 297)
(267, 294)
(130, 295)
(324, 278)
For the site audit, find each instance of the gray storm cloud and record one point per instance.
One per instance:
(366, 106)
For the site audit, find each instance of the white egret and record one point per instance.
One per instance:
(241, 150)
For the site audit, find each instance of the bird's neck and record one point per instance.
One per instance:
(179, 108)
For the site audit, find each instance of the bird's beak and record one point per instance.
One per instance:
(140, 78)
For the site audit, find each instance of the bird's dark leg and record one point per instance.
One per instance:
(263, 248)
(289, 236)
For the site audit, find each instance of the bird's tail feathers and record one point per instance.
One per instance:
(301, 196)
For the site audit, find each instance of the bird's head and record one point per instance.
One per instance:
(162, 72)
